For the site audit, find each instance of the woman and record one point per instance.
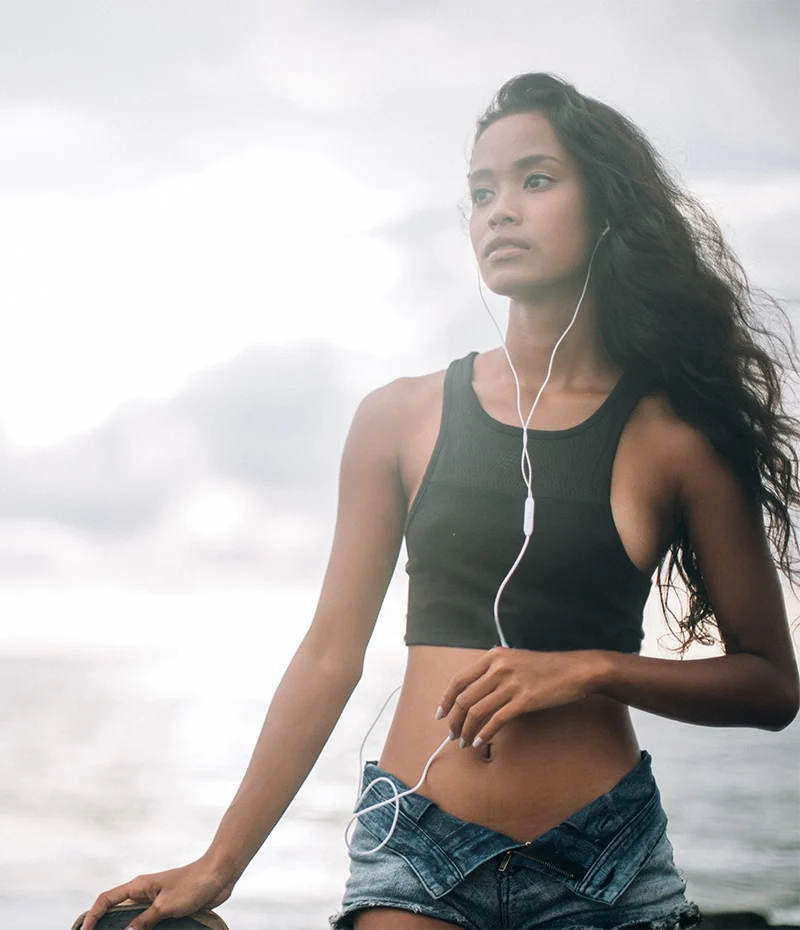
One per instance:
(658, 442)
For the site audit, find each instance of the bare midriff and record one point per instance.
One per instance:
(539, 769)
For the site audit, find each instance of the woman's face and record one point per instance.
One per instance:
(525, 185)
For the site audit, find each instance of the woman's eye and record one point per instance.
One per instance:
(477, 197)
(542, 177)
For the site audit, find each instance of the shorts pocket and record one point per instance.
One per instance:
(432, 866)
(440, 849)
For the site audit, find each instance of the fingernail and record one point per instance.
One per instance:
(463, 744)
(453, 735)
(439, 713)
(477, 742)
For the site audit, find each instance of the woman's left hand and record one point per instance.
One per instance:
(505, 683)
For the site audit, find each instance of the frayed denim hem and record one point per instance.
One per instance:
(342, 920)
(683, 918)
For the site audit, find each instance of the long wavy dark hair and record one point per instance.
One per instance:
(675, 306)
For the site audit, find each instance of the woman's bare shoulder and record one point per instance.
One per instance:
(408, 397)
(420, 387)
(683, 451)
(657, 421)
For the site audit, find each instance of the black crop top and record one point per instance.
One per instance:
(576, 587)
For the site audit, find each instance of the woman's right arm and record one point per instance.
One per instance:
(319, 680)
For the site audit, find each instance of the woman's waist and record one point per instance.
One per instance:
(536, 771)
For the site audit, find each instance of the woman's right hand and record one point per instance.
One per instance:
(174, 893)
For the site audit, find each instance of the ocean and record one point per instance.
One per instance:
(121, 761)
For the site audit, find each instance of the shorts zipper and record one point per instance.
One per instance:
(555, 868)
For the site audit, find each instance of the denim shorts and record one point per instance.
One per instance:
(607, 866)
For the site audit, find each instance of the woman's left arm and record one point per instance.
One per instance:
(756, 682)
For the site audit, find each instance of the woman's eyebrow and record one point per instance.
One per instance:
(525, 162)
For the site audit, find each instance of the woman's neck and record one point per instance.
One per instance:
(534, 330)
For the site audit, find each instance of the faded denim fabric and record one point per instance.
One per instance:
(607, 866)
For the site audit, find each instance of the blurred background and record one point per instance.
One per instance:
(221, 225)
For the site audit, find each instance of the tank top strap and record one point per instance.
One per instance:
(458, 413)
(452, 417)
(623, 400)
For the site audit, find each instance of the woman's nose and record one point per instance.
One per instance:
(503, 211)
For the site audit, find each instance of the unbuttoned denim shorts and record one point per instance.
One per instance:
(607, 866)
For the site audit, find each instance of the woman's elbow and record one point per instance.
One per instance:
(785, 708)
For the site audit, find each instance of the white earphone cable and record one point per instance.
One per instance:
(527, 524)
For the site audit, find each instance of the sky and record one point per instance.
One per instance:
(223, 224)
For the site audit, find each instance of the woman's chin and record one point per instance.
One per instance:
(515, 286)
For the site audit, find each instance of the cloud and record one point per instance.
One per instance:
(176, 84)
(271, 419)
(236, 473)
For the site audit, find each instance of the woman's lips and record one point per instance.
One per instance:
(505, 251)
